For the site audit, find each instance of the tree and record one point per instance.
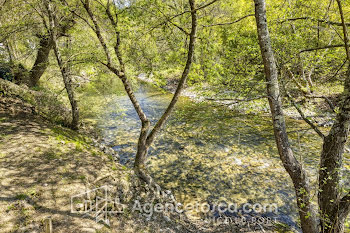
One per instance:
(53, 32)
(333, 207)
(34, 27)
(42, 55)
(147, 135)
(46, 43)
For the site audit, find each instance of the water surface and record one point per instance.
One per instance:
(208, 153)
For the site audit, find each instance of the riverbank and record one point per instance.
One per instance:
(45, 166)
(256, 105)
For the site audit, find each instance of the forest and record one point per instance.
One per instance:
(174, 116)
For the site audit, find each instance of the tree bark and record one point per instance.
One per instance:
(293, 167)
(11, 56)
(42, 59)
(45, 45)
(333, 208)
(63, 68)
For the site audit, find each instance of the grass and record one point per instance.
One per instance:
(21, 196)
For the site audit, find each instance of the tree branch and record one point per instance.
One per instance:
(345, 31)
(312, 125)
(317, 20)
(291, 164)
(329, 102)
(174, 24)
(204, 6)
(229, 23)
(97, 30)
(184, 76)
(120, 73)
(324, 47)
(332, 157)
(182, 13)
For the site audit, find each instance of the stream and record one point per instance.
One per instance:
(207, 153)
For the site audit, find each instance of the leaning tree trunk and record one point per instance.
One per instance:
(63, 68)
(42, 60)
(291, 164)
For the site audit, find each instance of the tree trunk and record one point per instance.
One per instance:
(42, 59)
(146, 138)
(63, 68)
(69, 88)
(296, 172)
(11, 58)
(333, 208)
(45, 45)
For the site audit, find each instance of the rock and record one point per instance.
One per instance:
(79, 207)
(110, 151)
(238, 161)
(265, 165)
(168, 192)
(116, 157)
(94, 142)
(166, 218)
(326, 124)
(199, 143)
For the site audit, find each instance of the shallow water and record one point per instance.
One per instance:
(209, 154)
